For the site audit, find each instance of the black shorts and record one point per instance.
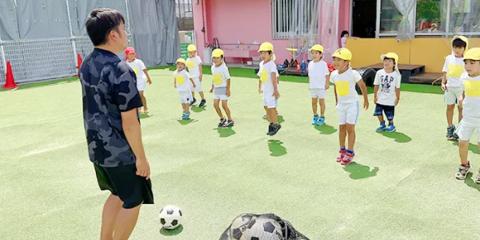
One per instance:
(122, 181)
(388, 110)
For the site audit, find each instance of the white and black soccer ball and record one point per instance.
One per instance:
(170, 217)
(262, 228)
(239, 226)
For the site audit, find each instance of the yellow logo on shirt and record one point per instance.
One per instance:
(135, 70)
(263, 76)
(180, 79)
(343, 88)
(455, 70)
(190, 65)
(472, 88)
(217, 79)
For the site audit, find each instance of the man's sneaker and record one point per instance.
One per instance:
(382, 127)
(315, 120)
(222, 122)
(390, 128)
(193, 101)
(462, 172)
(477, 179)
(347, 159)
(342, 153)
(202, 103)
(275, 128)
(450, 132)
(320, 121)
(228, 123)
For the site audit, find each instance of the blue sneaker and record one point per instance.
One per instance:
(320, 121)
(185, 116)
(314, 120)
(382, 127)
(390, 128)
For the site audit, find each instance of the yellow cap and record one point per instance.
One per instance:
(180, 60)
(390, 55)
(472, 54)
(266, 46)
(343, 53)
(463, 38)
(217, 53)
(191, 48)
(317, 47)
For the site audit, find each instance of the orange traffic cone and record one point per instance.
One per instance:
(9, 80)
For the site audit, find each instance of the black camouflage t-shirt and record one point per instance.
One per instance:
(109, 88)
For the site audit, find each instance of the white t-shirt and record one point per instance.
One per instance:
(182, 79)
(265, 71)
(345, 85)
(387, 83)
(138, 66)
(220, 75)
(454, 67)
(471, 103)
(193, 65)
(317, 73)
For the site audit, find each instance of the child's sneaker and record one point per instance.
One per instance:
(315, 120)
(320, 121)
(228, 123)
(382, 127)
(347, 159)
(222, 122)
(450, 132)
(390, 128)
(275, 128)
(477, 179)
(462, 172)
(342, 153)
(186, 116)
(455, 137)
(193, 101)
(202, 103)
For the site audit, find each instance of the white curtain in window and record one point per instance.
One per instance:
(406, 28)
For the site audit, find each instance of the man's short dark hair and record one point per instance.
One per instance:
(459, 43)
(101, 22)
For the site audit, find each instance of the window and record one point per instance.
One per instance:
(294, 18)
(431, 16)
(390, 17)
(464, 16)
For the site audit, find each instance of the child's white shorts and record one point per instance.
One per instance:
(198, 85)
(269, 100)
(317, 93)
(466, 129)
(185, 96)
(220, 93)
(452, 95)
(348, 113)
(141, 84)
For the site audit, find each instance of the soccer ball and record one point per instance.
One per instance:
(240, 225)
(170, 217)
(262, 228)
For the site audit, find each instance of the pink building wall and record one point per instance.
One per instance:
(244, 21)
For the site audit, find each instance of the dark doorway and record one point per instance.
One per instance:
(364, 15)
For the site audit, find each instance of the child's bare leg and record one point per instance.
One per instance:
(381, 119)
(450, 109)
(226, 109)
(266, 113)
(342, 135)
(460, 113)
(216, 105)
(202, 95)
(463, 152)
(322, 106)
(351, 136)
(144, 101)
(186, 107)
(112, 206)
(126, 221)
(314, 106)
(272, 115)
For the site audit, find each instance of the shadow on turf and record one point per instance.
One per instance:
(185, 122)
(359, 171)
(471, 147)
(276, 148)
(326, 129)
(469, 182)
(225, 132)
(173, 232)
(198, 109)
(144, 115)
(397, 136)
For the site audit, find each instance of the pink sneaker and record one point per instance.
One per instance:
(347, 159)
(341, 156)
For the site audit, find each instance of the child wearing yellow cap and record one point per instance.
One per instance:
(194, 65)
(453, 69)
(183, 82)
(221, 88)
(344, 79)
(470, 99)
(318, 78)
(386, 91)
(268, 78)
